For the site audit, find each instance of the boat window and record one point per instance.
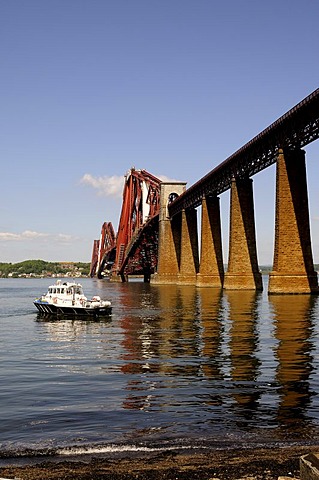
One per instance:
(54, 290)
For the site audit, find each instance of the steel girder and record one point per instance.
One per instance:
(106, 248)
(295, 129)
(94, 259)
(120, 253)
(142, 251)
(140, 189)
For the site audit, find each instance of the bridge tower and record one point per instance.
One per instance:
(169, 237)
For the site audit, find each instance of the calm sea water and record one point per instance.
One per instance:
(174, 367)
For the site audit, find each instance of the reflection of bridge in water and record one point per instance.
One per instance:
(236, 353)
(218, 360)
(158, 232)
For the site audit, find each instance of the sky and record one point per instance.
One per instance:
(91, 88)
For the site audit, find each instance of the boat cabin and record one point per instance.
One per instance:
(65, 289)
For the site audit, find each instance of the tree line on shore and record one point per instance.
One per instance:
(39, 268)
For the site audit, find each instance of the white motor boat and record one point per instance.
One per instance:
(67, 298)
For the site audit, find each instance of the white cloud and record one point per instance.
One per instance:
(26, 235)
(65, 238)
(112, 186)
(164, 178)
(105, 186)
(29, 235)
(4, 236)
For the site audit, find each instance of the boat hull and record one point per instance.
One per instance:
(46, 308)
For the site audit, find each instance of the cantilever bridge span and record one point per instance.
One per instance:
(164, 244)
(133, 250)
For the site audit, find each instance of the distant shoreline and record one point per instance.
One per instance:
(41, 268)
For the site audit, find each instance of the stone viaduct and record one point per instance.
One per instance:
(179, 261)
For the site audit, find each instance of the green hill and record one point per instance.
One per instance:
(40, 268)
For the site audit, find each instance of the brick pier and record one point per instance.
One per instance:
(293, 270)
(243, 272)
(211, 270)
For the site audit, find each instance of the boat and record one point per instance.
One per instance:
(68, 298)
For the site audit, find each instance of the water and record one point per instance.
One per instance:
(174, 368)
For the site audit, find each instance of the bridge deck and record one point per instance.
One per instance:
(295, 129)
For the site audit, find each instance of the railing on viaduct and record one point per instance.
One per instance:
(294, 130)
(174, 223)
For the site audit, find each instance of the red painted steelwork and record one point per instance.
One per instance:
(94, 259)
(103, 250)
(133, 251)
(107, 244)
(141, 191)
(142, 251)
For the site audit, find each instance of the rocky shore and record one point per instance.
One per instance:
(235, 464)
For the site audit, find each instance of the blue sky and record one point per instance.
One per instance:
(90, 88)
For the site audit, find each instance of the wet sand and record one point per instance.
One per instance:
(235, 464)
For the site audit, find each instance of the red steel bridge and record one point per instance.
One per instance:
(133, 250)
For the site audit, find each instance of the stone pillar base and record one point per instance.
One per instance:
(293, 283)
(164, 279)
(242, 281)
(184, 279)
(208, 281)
(115, 278)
